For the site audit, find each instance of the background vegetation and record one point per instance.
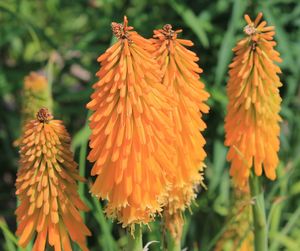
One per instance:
(63, 39)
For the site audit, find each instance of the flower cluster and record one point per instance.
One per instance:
(47, 187)
(146, 140)
(181, 77)
(131, 141)
(251, 125)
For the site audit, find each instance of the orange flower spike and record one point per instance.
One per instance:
(47, 189)
(131, 138)
(181, 77)
(252, 122)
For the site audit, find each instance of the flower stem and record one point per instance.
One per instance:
(135, 242)
(172, 228)
(173, 244)
(259, 214)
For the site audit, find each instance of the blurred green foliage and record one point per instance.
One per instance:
(63, 39)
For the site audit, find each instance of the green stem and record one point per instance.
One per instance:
(135, 242)
(259, 214)
(172, 229)
(172, 243)
(82, 164)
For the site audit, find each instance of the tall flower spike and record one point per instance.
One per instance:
(131, 130)
(251, 124)
(181, 77)
(47, 187)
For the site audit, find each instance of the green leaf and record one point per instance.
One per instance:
(192, 21)
(11, 241)
(228, 42)
(81, 136)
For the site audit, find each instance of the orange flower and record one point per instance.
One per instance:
(47, 189)
(181, 77)
(131, 134)
(251, 124)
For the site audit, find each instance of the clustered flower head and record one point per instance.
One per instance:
(251, 125)
(181, 77)
(47, 187)
(131, 140)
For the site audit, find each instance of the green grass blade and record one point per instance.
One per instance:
(81, 136)
(293, 220)
(10, 239)
(107, 240)
(192, 21)
(228, 42)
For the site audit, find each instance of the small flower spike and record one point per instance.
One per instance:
(252, 122)
(47, 187)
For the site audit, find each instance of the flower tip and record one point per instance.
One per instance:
(43, 115)
(258, 18)
(168, 32)
(125, 20)
(247, 19)
(167, 27)
(121, 30)
(258, 170)
(271, 174)
(260, 15)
